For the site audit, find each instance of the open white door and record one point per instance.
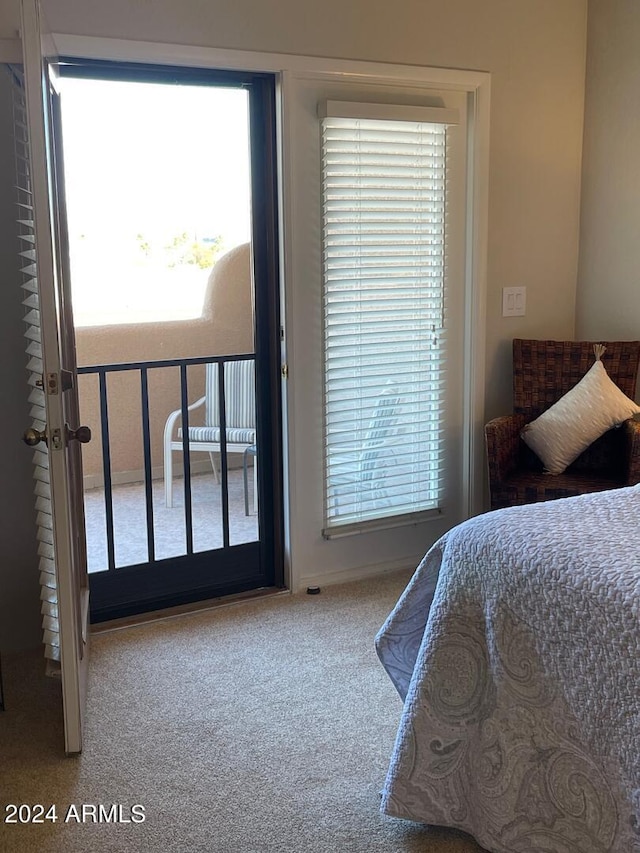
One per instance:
(61, 435)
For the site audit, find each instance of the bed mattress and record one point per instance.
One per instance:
(516, 650)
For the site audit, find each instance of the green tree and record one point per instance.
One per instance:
(204, 255)
(185, 250)
(143, 244)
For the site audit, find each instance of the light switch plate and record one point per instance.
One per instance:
(514, 301)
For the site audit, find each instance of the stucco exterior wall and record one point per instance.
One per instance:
(225, 328)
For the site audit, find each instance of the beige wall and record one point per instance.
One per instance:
(535, 52)
(225, 328)
(608, 304)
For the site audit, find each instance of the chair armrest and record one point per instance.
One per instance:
(174, 416)
(632, 444)
(167, 442)
(503, 443)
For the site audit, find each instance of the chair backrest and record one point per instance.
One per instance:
(384, 418)
(240, 395)
(543, 371)
(378, 444)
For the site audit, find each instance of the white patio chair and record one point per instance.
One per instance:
(240, 412)
(366, 471)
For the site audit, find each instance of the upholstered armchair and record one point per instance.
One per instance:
(543, 372)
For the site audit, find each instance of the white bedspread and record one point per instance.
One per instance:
(516, 647)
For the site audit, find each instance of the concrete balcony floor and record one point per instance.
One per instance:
(130, 525)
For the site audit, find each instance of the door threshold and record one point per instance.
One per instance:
(188, 609)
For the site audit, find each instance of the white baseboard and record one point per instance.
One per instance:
(358, 573)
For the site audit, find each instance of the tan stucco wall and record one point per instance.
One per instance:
(225, 327)
(608, 303)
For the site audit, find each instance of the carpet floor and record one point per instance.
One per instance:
(263, 726)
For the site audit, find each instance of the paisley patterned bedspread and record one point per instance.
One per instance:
(516, 649)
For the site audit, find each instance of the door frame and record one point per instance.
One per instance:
(289, 68)
(133, 589)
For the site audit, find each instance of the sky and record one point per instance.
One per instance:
(143, 164)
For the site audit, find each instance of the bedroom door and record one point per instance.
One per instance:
(62, 434)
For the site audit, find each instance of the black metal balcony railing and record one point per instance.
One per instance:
(143, 367)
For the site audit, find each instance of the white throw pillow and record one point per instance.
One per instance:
(582, 415)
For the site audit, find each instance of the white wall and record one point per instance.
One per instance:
(608, 304)
(535, 52)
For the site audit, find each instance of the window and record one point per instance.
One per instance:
(385, 272)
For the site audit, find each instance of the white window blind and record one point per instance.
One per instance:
(385, 264)
(31, 302)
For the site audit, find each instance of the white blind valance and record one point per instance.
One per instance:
(384, 255)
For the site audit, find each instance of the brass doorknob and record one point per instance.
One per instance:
(33, 436)
(82, 434)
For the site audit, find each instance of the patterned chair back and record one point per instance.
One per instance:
(384, 418)
(240, 395)
(378, 452)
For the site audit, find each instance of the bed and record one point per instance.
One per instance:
(516, 650)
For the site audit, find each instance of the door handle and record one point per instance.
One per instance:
(33, 436)
(82, 434)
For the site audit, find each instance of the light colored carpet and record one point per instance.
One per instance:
(130, 519)
(260, 727)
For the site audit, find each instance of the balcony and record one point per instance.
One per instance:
(130, 520)
(128, 415)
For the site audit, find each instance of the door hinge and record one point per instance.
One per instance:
(285, 371)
